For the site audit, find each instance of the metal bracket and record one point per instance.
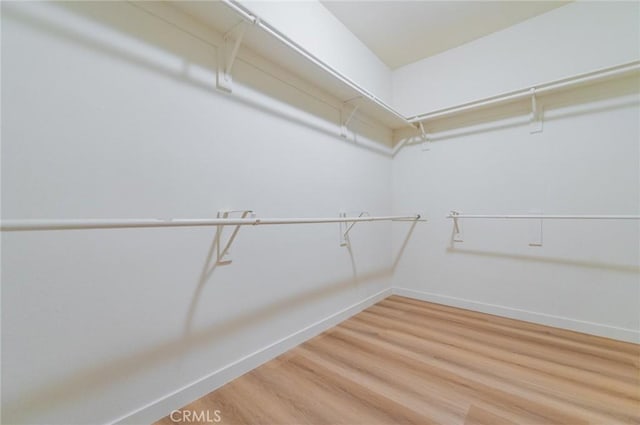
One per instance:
(458, 234)
(535, 229)
(535, 120)
(424, 137)
(344, 123)
(227, 56)
(223, 255)
(345, 228)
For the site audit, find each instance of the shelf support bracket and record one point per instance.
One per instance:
(223, 256)
(535, 120)
(345, 122)
(346, 227)
(227, 56)
(458, 235)
(424, 137)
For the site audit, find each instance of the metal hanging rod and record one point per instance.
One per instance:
(75, 224)
(576, 80)
(546, 216)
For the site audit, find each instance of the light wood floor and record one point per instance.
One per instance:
(404, 361)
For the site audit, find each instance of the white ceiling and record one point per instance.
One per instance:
(401, 32)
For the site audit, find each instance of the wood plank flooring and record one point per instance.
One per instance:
(404, 361)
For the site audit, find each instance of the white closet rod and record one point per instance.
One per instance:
(247, 15)
(548, 216)
(576, 80)
(16, 225)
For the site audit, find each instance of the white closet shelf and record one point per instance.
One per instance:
(224, 15)
(578, 80)
(270, 43)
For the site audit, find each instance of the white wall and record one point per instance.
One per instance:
(110, 112)
(579, 37)
(586, 276)
(316, 29)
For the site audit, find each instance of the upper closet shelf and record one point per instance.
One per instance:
(578, 80)
(228, 14)
(263, 38)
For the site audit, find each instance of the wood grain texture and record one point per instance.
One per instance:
(404, 361)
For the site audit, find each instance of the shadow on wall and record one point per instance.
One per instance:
(175, 62)
(403, 247)
(517, 114)
(214, 257)
(622, 268)
(92, 379)
(192, 63)
(217, 253)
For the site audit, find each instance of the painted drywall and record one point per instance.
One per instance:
(109, 111)
(112, 112)
(317, 30)
(572, 39)
(392, 29)
(586, 274)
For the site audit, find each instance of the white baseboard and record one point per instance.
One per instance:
(623, 334)
(163, 406)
